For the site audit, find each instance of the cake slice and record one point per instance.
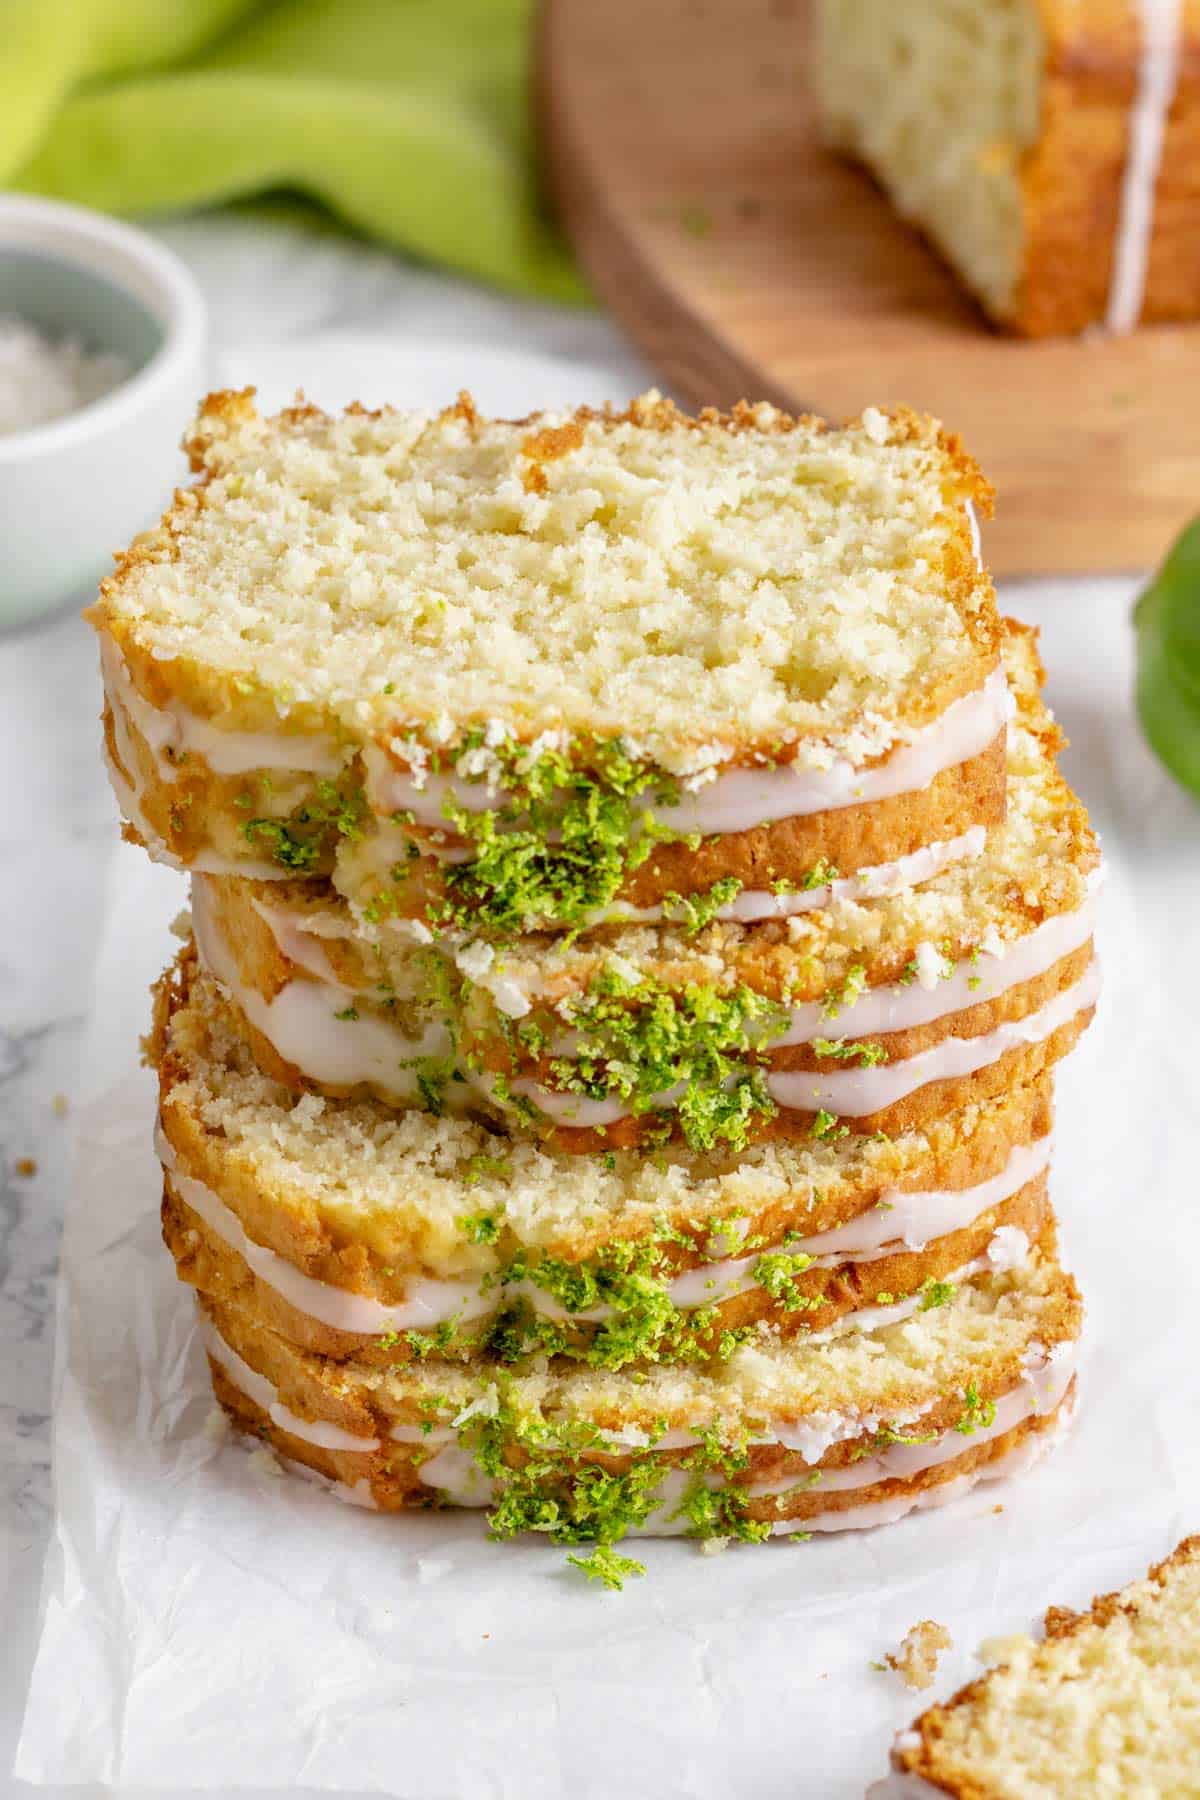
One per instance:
(357, 1233)
(1048, 149)
(1108, 1703)
(561, 665)
(868, 1014)
(776, 1439)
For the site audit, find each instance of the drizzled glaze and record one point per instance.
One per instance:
(741, 799)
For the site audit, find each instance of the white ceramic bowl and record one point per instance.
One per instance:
(76, 489)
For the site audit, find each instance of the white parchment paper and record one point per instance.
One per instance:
(209, 1624)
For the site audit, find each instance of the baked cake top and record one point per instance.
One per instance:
(716, 589)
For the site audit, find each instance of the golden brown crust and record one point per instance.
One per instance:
(1060, 1622)
(206, 1262)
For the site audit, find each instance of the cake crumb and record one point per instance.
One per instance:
(26, 1166)
(60, 1106)
(216, 1425)
(917, 1658)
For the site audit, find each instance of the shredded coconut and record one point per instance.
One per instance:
(44, 378)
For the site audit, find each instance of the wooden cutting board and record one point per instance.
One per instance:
(746, 260)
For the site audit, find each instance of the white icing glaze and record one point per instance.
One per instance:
(1161, 27)
(899, 1222)
(356, 1493)
(855, 1093)
(1033, 1397)
(454, 1473)
(894, 1007)
(874, 883)
(900, 1006)
(1016, 1461)
(910, 1220)
(300, 946)
(264, 1394)
(740, 799)
(388, 843)
(301, 1023)
(184, 732)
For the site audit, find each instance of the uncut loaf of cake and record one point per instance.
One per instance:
(560, 669)
(1108, 1703)
(862, 1015)
(1050, 150)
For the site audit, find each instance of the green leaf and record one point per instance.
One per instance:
(1167, 621)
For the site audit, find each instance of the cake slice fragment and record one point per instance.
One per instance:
(560, 667)
(381, 1237)
(1047, 149)
(777, 1439)
(1107, 1703)
(869, 1014)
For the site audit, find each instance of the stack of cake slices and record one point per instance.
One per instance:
(635, 916)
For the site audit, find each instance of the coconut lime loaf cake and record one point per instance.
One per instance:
(513, 674)
(351, 1231)
(1048, 149)
(635, 914)
(867, 1014)
(777, 1438)
(1108, 1703)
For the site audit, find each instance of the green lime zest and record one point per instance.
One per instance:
(299, 841)
(607, 1566)
(559, 850)
(978, 1414)
(868, 1054)
(640, 1039)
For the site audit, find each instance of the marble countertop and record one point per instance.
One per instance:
(270, 281)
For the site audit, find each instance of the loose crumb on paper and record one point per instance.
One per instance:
(26, 1167)
(60, 1106)
(263, 1462)
(216, 1425)
(916, 1660)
